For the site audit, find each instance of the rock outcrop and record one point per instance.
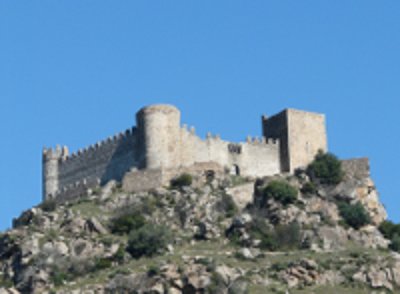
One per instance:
(220, 240)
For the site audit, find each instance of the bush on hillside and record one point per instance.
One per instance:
(124, 224)
(354, 215)
(183, 180)
(326, 168)
(48, 205)
(391, 231)
(227, 205)
(288, 237)
(395, 243)
(148, 240)
(281, 237)
(309, 188)
(259, 230)
(279, 191)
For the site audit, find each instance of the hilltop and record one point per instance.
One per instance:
(315, 231)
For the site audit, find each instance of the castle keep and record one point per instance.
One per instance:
(159, 148)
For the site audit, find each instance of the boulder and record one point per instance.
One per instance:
(333, 238)
(94, 226)
(242, 195)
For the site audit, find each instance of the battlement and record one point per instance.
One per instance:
(58, 152)
(261, 141)
(160, 143)
(110, 141)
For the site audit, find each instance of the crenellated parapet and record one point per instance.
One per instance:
(261, 141)
(104, 144)
(104, 160)
(159, 142)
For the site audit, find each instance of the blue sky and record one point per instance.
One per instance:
(75, 72)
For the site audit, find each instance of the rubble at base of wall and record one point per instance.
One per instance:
(144, 180)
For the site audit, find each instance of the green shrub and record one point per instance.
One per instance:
(259, 230)
(233, 236)
(153, 271)
(280, 191)
(59, 278)
(119, 255)
(391, 231)
(326, 168)
(148, 240)
(288, 237)
(309, 188)
(354, 215)
(182, 181)
(48, 205)
(126, 223)
(281, 237)
(395, 243)
(102, 263)
(227, 205)
(5, 283)
(217, 284)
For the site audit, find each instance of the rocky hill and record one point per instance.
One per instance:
(312, 232)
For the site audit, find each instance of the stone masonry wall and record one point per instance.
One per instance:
(277, 127)
(107, 160)
(256, 157)
(301, 135)
(307, 135)
(160, 143)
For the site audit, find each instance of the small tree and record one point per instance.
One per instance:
(391, 231)
(354, 215)
(280, 191)
(149, 240)
(326, 168)
(183, 180)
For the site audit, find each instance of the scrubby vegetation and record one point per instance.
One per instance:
(227, 205)
(354, 215)
(280, 191)
(48, 205)
(326, 169)
(273, 238)
(391, 231)
(309, 188)
(183, 180)
(148, 240)
(215, 235)
(124, 224)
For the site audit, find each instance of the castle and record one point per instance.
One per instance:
(159, 148)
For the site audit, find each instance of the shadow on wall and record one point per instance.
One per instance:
(123, 159)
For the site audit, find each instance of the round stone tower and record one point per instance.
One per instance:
(50, 171)
(159, 127)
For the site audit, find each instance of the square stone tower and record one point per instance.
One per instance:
(301, 135)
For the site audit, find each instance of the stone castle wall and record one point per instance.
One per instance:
(301, 135)
(277, 127)
(256, 157)
(107, 160)
(159, 143)
(306, 135)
